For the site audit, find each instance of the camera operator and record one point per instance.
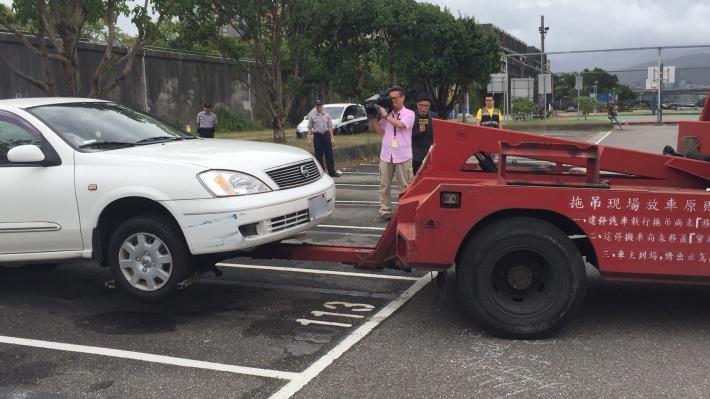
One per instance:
(396, 155)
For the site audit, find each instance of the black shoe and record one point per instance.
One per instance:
(385, 217)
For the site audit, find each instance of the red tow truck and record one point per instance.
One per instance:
(513, 232)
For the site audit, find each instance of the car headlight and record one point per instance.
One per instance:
(227, 183)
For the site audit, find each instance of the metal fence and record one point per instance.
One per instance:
(663, 79)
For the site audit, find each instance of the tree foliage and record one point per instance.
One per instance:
(606, 83)
(276, 37)
(522, 105)
(59, 25)
(587, 105)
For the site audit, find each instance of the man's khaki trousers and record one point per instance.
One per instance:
(388, 170)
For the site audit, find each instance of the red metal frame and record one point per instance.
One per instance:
(638, 214)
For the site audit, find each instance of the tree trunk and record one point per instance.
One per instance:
(278, 123)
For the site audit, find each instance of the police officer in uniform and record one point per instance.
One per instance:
(320, 132)
(489, 116)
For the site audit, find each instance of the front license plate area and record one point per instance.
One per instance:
(318, 207)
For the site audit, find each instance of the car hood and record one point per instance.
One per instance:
(303, 126)
(245, 156)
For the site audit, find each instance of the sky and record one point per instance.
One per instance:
(585, 25)
(597, 24)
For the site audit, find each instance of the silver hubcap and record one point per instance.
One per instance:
(145, 262)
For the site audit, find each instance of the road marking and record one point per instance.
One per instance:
(306, 322)
(357, 202)
(149, 357)
(361, 173)
(315, 271)
(357, 185)
(605, 136)
(361, 332)
(343, 233)
(299, 288)
(319, 313)
(337, 226)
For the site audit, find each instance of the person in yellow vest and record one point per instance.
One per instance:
(489, 116)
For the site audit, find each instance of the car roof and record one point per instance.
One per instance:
(38, 101)
(339, 104)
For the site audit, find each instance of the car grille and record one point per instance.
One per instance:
(287, 221)
(293, 176)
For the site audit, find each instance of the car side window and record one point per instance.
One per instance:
(348, 112)
(360, 112)
(14, 132)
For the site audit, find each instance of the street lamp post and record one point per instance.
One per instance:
(543, 65)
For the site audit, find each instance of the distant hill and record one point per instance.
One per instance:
(691, 70)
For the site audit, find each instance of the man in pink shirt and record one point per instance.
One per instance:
(396, 154)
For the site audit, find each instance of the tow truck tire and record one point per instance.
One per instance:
(148, 258)
(521, 278)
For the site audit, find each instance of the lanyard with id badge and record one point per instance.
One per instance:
(394, 143)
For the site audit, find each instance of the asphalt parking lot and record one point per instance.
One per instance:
(318, 330)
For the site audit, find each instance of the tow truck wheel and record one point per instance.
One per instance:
(147, 258)
(521, 278)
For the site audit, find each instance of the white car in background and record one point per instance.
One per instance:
(347, 118)
(86, 178)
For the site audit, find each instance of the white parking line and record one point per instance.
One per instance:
(362, 173)
(603, 137)
(343, 233)
(357, 185)
(361, 332)
(336, 226)
(149, 357)
(315, 271)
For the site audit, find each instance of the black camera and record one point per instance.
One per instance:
(383, 100)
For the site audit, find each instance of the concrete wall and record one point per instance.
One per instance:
(171, 85)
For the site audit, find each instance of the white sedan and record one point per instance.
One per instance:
(347, 118)
(86, 178)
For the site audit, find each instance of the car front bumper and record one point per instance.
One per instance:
(230, 224)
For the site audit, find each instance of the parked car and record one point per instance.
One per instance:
(346, 118)
(87, 178)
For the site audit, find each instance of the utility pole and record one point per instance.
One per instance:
(543, 31)
(543, 64)
(659, 114)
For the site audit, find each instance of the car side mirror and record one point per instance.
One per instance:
(28, 153)
(349, 117)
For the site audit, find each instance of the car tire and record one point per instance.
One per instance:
(148, 258)
(521, 278)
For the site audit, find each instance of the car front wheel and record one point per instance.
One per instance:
(148, 258)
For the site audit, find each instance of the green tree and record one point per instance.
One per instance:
(269, 40)
(347, 47)
(587, 105)
(605, 81)
(624, 93)
(446, 55)
(522, 106)
(57, 27)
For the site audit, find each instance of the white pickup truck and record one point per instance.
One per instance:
(83, 178)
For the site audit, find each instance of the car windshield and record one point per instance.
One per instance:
(334, 112)
(105, 126)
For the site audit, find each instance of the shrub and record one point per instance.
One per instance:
(587, 105)
(231, 121)
(522, 105)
